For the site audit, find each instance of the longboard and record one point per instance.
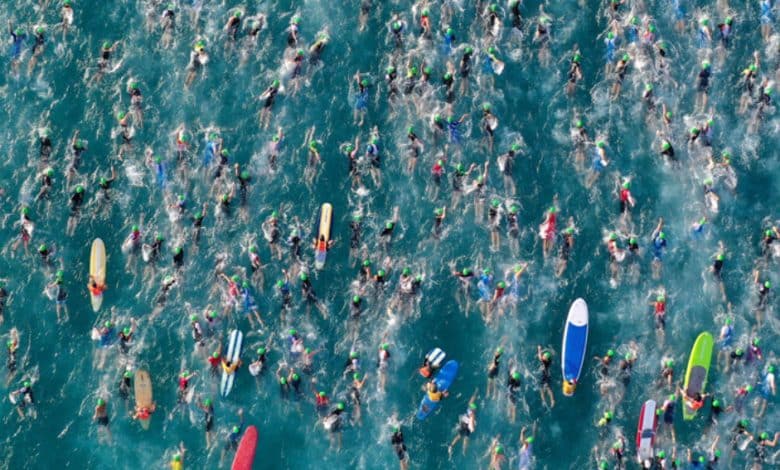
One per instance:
(444, 379)
(575, 342)
(245, 454)
(698, 368)
(233, 354)
(143, 394)
(97, 269)
(645, 432)
(326, 214)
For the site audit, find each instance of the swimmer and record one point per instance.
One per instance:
(545, 380)
(397, 440)
(467, 424)
(491, 390)
(198, 59)
(59, 294)
(658, 240)
(233, 437)
(100, 416)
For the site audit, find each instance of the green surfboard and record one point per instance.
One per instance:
(698, 368)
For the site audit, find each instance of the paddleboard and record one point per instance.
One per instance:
(444, 379)
(645, 433)
(143, 394)
(326, 214)
(245, 454)
(233, 353)
(698, 368)
(575, 342)
(97, 269)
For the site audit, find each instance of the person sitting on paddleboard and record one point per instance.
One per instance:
(230, 367)
(322, 245)
(696, 401)
(143, 412)
(95, 288)
(434, 394)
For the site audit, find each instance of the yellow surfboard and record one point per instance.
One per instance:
(326, 214)
(97, 269)
(143, 394)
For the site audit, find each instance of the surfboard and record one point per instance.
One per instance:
(645, 432)
(443, 380)
(245, 454)
(97, 269)
(698, 368)
(326, 214)
(143, 394)
(233, 353)
(575, 342)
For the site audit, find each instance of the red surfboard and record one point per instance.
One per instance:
(245, 455)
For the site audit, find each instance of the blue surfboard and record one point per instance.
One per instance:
(575, 341)
(443, 380)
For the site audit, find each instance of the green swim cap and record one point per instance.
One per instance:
(468, 50)
(705, 64)
(107, 324)
(425, 12)
(499, 449)
(283, 381)
(438, 211)
(756, 341)
(299, 53)
(472, 406)
(293, 332)
(662, 235)
(576, 58)
(600, 144)
(27, 383)
(340, 406)
(279, 283)
(666, 145)
(121, 115)
(513, 209)
(260, 351)
(303, 277)
(353, 354)
(492, 50)
(670, 363)
(716, 403)
(106, 45)
(355, 299)
(487, 271)
(296, 20)
(447, 76)
(322, 394)
(102, 180)
(42, 248)
(237, 14)
(60, 274)
(128, 374)
(193, 318)
(495, 202)
(207, 402)
(390, 70)
(295, 376)
(768, 285)
(406, 271)
(215, 354)
(427, 70)
(177, 250)
(516, 375)
(771, 369)
(610, 353)
(660, 298)
(661, 454)
(236, 429)
(386, 346)
(389, 225)
(275, 84)
(25, 210)
(356, 376)
(274, 214)
(501, 285)
(613, 236)
(101, 402)
(466, 271)
(546, 355)
(648, 87)
(626, 57)
(79, 189)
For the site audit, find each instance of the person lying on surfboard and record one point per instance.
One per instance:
(95, 288)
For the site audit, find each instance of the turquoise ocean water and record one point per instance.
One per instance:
(529, 101)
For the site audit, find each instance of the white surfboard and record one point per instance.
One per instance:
(233, 354)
